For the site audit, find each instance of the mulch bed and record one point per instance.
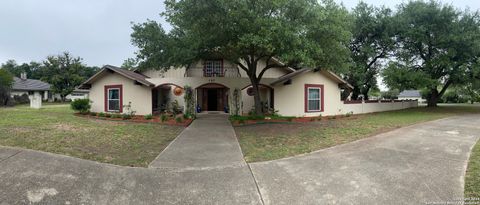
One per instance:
(141, 119)
(293, 120)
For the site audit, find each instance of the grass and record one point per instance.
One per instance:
(472, 177)
(263, 142)
(55, 129)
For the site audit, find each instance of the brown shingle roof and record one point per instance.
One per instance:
(125, 73)
(329, 74)
(29, 85)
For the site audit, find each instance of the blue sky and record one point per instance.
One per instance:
(96, 30)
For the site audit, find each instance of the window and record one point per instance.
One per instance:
(313, 98)
(113, 98)
(213, 68)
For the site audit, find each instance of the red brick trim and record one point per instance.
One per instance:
(321, 97)
(120, 87)
(352, 102)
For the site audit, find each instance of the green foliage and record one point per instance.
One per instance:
(101, 114)
(116, 115)
(64, 73)
(126, 116)
(81, 105)
(372, 42)
(93, 114)
(163, 117)
(301, 33)
(189, 102)
(129, 64)
(148, 117)
(348, 114)
(440, 46)
(391, 94)
(175, 108)
(108, 115)
(236, 101)
(179, 119)
(6, 81)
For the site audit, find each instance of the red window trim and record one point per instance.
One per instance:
(120, 87)
(205, 68)
(321, 97)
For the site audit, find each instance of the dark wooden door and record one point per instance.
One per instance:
(212, 99)
(204, 99)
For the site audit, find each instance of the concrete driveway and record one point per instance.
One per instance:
(412, 165)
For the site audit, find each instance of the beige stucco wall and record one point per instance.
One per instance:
(139, 96)
(360, 108)
(230, 70)
(290, 99)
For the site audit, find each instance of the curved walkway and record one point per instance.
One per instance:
(416, 164)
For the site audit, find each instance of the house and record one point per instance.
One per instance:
(218, 85)
(24, 86)
(411, 95)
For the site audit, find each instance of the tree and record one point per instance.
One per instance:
(6, 81)
(64, 73)
(31, 69)
(372, 41)
(300, 33)
(438, 48)
(129, 64)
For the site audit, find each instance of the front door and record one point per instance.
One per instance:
(212, 95)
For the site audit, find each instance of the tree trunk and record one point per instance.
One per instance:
(256, 97)
(355, 93)
(365, 92)
(432, 98)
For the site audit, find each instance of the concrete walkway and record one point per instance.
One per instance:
(209, 142)
(412, 165)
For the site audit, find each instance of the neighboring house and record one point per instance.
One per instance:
(77, 94)
(411, 95)
(26, 86)
(304, 92)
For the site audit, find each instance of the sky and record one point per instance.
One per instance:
(96, 30)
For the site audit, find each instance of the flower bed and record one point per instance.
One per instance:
(251, 120)
(179, 120)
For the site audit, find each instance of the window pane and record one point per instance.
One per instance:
(113, 94)
(313, 93)
(314, 105)
(114, 105)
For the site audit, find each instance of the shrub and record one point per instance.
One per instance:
(148, 117)
(126, 116)
(163, 117)
(116, 115)
(176, 109)
(108, 115)
(179, 119)
(21, 99)
(101, 114)
(93, 113)
(81, 105)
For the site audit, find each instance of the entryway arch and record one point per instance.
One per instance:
(212, 97)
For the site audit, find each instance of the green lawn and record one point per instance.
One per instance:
(55, 129)
(273, 141)
(472, 178)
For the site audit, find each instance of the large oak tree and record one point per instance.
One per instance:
(300, 33)
(438, 47)
(372, 42)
